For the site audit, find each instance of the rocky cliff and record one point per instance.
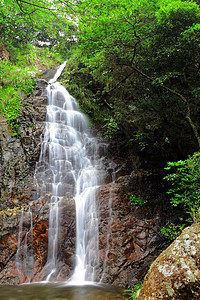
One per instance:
(129, 238)
(20, 153)
(18, 157)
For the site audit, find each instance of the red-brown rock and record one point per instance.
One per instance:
(127, 236)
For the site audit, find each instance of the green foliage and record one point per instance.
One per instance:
(112, 125)
(106, 44)
(159, 38)
(175, 39)
(33, 21)
(138, 201)
(17, 77)
(132, 293)
(172, 231)
(32, 58)
(111, 128)
(184, 180)
(10, 103)
(141, 137)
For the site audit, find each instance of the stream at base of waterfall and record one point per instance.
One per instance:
(69, 169)
(50, 291)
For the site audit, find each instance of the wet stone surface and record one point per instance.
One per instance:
(128, 237)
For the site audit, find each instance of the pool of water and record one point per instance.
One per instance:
(60, 292)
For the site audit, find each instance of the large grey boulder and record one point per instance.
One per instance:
(175, 274)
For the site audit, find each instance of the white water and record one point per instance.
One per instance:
(58, 73)
(24, 256)
(109, 235)
(65, 169)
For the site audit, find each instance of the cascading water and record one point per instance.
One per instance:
(24, 255)
(68, 167)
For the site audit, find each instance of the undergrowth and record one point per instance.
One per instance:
(132, 294)
(17, 77)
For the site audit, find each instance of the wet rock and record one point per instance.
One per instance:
(49, 74)
(18, 265)
(19, 154)
(175, 274)
(128, 237)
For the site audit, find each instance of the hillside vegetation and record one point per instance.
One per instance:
(17, 77)
(134, 68)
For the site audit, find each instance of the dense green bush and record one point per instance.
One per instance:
(172, 231)
(184, 181)
(135, 200)
(18, 75)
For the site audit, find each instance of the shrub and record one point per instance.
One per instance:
(134, 200)
(172, 231)
(132, 293)
(17, 76)
(184, 180)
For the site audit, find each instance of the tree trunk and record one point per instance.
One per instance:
(188, 115)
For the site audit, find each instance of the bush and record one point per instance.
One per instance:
(172, 231)
(132, 293)
(10, 103)
(134, 200)
(17, 76)
(184, 179)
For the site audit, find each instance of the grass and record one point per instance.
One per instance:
(132, 293)
(17, 76)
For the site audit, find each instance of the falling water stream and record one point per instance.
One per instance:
(69, 167)
(65, 168)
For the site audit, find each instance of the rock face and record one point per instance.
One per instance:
(175, 274)
(18, 264)
(18, 155)
(129, 236)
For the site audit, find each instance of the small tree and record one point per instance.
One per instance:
(185, 185)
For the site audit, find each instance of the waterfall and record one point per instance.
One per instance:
(24, 256)
(69, 167)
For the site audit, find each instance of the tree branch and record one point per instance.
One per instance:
(188, 111)
(31, 4)
(116, 86)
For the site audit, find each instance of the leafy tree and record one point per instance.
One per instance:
(184, 180)
(139, 59)
(143, 60)
(28, 21)
(175, 40)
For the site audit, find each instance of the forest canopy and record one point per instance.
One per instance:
(132, 65)
(34, 21)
